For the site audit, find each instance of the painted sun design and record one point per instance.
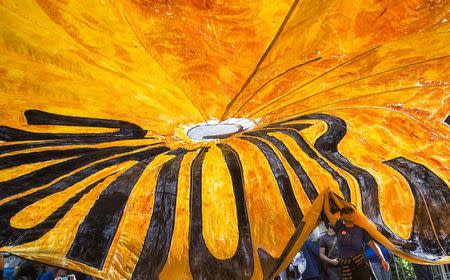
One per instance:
(145, 140)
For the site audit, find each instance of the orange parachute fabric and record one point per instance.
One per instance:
(200, 139)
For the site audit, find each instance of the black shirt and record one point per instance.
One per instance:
(326, 241)
(350, 240)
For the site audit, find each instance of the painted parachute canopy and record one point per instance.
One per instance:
(200, 139)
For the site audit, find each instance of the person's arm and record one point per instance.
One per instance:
(326, 258)
(377, 251)
(331, 218)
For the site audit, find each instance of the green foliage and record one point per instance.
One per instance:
(404, 269)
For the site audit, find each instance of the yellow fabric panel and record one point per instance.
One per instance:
(310, 223)
(269, 221)
(35, 167)
(396, 142)
(266, 210)
(177, 260)
(125, 249)
(396, 200)
(61, 56)
(321, 178)
(300, 195)
(311, 135)
(52, 247)
(212, 53)
(37, 212)
(220, 230)
(321, 36)
(395, 196)
(390, 68)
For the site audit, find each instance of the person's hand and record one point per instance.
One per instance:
(385, 265)
(334, 262)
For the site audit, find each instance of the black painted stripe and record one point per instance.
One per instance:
(296, 126)
(343, 184)
(96, 233)
(35, 157)
(202, 263)
(37, 117)
(125, 130)
(430, 229)
(11, 134)
(47, 174)
(304, 179)
(10, 236)
(26, 235)
(159, 234)
(282, 179)
(327, 145)
(61, 143)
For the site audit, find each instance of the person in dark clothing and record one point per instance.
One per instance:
(26, 271)
(329, 253)
(48, 274)
(311, 253)
(351, 240)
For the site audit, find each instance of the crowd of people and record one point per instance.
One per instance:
(345, 251)
(15, 268)
(321, 261)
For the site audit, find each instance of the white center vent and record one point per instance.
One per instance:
(213, 130)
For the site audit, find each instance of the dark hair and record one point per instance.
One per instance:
(347, 210)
